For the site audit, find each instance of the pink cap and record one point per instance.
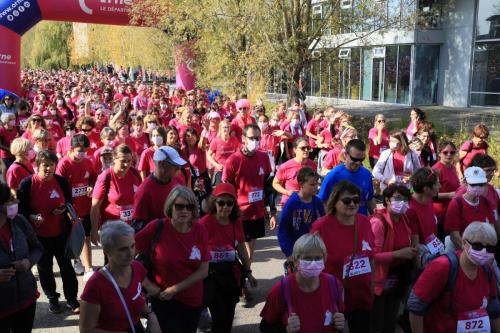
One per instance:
(243, 103)
(224, 188)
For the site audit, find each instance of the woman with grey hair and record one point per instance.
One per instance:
(178, 248)
(112, 299)
(307, 300)
(457, 291)
(8, 133)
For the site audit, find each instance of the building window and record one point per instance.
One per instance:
(391, 74)
(485, 90)
(426, 74)
(488, 20)
(404, 67)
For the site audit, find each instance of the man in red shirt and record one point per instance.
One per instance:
(248, 170)
(150, 197)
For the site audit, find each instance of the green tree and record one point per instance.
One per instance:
(47, 46)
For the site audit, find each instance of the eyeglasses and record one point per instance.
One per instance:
(347, 200)
(222, 203)
(305, 149)
(484, 137)
(381, 121)
(480, 247)
(178, 206)
(358, 160)
(448, 152)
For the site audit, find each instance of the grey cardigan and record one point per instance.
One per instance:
(22, 286)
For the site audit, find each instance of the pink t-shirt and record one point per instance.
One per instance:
(287, 175)
(375, 150)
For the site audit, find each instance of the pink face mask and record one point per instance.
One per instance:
(399, 206)
(479, 258)
(475, 190)
(311, 268)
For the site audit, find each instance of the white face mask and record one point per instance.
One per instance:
(11, 210)
(81, 155)
(157, 140)
(263, 126)
(253, 145)
(36, 149)
(53, 112)
(151, 126)
(393, 145)
(70, 133)
(12, 122)
(59, 102)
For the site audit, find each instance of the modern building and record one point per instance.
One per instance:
(450, 57)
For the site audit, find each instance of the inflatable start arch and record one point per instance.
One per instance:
(18, 16)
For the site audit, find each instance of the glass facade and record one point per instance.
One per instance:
(485, 87)
(426, 74)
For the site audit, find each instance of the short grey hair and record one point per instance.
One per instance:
(184, 193)
(5, 117)
(480, 231)
(308, 243)
(106, 131)
(112, 231)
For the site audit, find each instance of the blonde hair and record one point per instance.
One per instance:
(20, 146)
(184, 193)
(41, 134)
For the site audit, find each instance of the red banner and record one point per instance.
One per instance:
(10, 61)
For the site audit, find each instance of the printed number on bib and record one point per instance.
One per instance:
(221, 256)
(434, 245)
(126, 214)
(360, 266)
(79, 191)
(255, 196)
(474, 322)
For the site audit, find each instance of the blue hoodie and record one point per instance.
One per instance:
(296, 219)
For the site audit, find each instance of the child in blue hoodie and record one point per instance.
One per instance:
(300, 211)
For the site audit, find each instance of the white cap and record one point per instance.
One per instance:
(213, 115)
(169, 154)
(475, 175)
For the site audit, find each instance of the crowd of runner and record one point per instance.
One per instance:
(177, 187)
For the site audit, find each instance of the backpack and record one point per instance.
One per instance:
(332, 284)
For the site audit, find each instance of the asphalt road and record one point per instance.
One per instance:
(266, 269)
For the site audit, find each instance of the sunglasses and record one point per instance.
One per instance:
(222, 203)
(305, 149)
(477, 185)
(241, 109)
(360, 160)
(86, 130)
(480, 247)
(183, 206)
(37, 120)
(448, 152)
(347, 200)
(380, 121)
(8, 98)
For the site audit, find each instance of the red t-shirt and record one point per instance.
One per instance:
(327, 138)
(119, 204)
(449, 182)
(80, 175)
(6, 137)
(467, 295)
(398, 161)
(339, 239)
(269, 143)
(6, 237)
(461, 213)
(46, 196)
(223, 149)
(100, 291)
(312, 127)
(332, 158)
(375, 150)
(146, 163)
(95, 143)
(63, 146)
(176, 256)
(287, 175)
(140, 143)
(491, 195)
(197, 158)
(239, 123)
(222, 239)
(472, 151)
(310, 307)
(18, 172)
(247, 174)
(423, 221)
(56, 132)
(149, 200)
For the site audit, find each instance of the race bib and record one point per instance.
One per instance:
(473, 322)
(126, 213)
(221, 256)
(434, 245)
(255, 196)
(360, 266)
(79, 191)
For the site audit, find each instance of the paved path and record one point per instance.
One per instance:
(267, 269)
